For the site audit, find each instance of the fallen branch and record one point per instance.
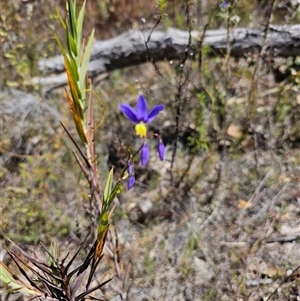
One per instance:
(129, 49)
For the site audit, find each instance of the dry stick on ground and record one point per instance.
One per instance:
(285, 279)
(129, 49)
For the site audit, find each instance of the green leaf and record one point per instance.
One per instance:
(117, 190)
(79, 24)
(125, 175)
(8, 278)
(60, 18)
(72, 18)
(86, 57)
(107, 190)
(74, 111)
(75, 91)
(60, 44)
(80, 20)
(69, 47)
(54, 252)
(72, 68)
(102, 224)
(102, 232)
(72, 46)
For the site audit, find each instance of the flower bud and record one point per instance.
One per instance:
(131, 181)
(161, 150)
(145, 154)
(129, 167)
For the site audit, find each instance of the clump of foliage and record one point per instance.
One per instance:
(54, 279)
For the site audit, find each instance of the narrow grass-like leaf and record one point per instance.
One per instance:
(102, 236)
(74, 90)
(73, 66)
(9, 279)
(42, 273)
(86, 59)
(72, 17)
(79, 25)
(87, 56)
(107, 190)
(71, 69)
(103, 224)
(125, 175)
(98, 248)
(17, 260)
(74, 93)
(60, 18)
(117, 190)
(53, 255)
(61, 47)
(82, 295)
(77, 282)
(69, 47)
(85, 63)
(75, 75)
(77, 120)
(72, 45)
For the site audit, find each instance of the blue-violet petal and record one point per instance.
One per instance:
(142, 108)
(154, 112)
(129, 112)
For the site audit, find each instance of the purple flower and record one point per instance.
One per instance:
(131, 181)
(129, 167)
(141, 116)
(131, 176)
(224, 4)
(161, 150)
(145, 154)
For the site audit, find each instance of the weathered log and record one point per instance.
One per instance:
(129, 49)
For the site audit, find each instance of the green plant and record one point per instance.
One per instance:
(57, 279)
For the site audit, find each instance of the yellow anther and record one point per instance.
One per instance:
(141, 129)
